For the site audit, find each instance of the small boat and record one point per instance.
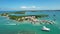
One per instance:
(45, 28)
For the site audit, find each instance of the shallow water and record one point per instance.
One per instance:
(8, 26)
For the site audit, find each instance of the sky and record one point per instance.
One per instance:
(6, 5)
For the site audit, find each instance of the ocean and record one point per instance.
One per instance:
(8, 26)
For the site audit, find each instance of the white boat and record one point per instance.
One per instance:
(45, 28)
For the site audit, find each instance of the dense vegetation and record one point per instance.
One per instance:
(4, 14)
(17, 17)
(19, 12)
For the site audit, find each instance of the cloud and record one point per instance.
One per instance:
(23, 7)
(29, 7)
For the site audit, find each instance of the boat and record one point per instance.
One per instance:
(45, 28)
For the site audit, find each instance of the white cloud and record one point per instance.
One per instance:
(23, 7)
(29, 7)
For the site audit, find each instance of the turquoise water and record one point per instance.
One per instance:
(8, 26)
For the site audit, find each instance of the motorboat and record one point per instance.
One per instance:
(45, 28)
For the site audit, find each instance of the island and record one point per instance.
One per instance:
(30, 18)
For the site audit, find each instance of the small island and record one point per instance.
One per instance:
(30, 18)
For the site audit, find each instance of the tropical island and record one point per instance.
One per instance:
(30, 18)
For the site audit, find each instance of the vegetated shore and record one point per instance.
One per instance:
(31, 18)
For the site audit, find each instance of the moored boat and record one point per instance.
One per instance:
(45, 28)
